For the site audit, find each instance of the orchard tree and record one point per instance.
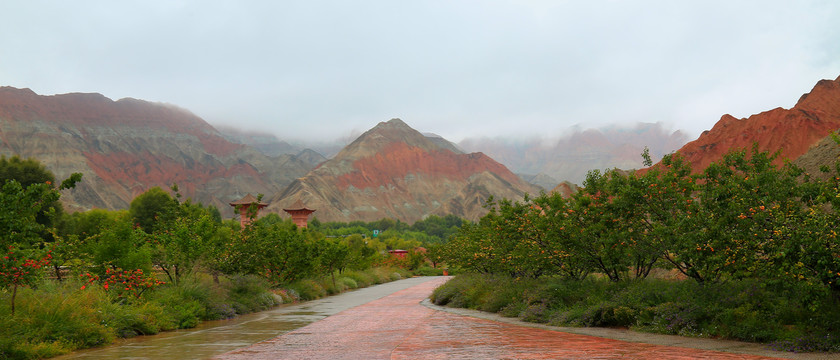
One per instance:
(333, 256)
(179, 244)
(29, 172)
(272, 248)
(152, 206)
(21, 233)
(745, 206)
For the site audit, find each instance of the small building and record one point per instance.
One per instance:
(243, 206)
(398, 253)
(300, 213)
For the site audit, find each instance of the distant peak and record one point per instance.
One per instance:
(394, 123)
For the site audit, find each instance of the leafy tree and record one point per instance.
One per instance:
(557, 219)
(653, 209)
(743, 205)
(360, 256)
(20, 231)
(333, 256)
(179, 245)
(120, 245)
(29, 172)
(153, 205)
(272, 248)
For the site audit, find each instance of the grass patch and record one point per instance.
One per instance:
(58, 317)
(790, 317)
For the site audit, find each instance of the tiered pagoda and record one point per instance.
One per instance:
(244, 205)
(300, 213)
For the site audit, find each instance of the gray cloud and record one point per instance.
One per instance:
(456, 68)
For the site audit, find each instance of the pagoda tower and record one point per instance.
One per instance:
(243, 205)
(300, 213)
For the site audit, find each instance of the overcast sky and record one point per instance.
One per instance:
(306, 69)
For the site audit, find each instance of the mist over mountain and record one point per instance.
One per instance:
(125, 147)
(571, 156)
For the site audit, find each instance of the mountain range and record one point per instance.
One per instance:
(127, 146)
(396, 172)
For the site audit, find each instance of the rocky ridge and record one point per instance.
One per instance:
(127, 146)
(791, 131)
(394, 171)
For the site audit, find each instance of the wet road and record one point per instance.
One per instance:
(398, 326)
(216, 337)
(392, 321)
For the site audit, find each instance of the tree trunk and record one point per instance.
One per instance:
(14, 294)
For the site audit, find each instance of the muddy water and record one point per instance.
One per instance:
(217, 337)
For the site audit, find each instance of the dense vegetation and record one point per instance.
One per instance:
(70, 281)
(745, 250)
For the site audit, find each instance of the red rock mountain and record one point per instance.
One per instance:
(394, 171)
(124, 147)
(793, 131)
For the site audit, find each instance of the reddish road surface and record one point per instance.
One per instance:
(399, 327)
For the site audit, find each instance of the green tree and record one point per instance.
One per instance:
(21, 233)
(120, 245)
(745, 203)
(179, 244)
(152, 206)
(29, 172)
(557, 219)
(276, 250)
(333, 256)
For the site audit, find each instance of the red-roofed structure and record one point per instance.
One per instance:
(300, 213)
(243, 206)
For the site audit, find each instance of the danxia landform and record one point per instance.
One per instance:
(396, 172)
(127, 146)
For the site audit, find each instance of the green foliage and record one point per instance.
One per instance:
(153, 205)
(180, 244)
(746, 310)
(308, 289)
(120, 245)
(277, 250)
(31, 172)
(52, 320)
(21, 231)
(249, 293)
(743, 217)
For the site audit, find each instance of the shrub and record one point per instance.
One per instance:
(308, 289)
(348, 282)
(428, 271)
(249, 293)
(146, 318)
(789, 316)
(361, 278)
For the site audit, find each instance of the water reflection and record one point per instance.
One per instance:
(216, 337)
(209, 338)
